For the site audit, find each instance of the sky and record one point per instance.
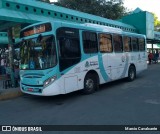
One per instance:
(145, 5)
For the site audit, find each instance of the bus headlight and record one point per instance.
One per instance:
(49, 81)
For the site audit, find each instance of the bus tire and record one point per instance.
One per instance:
(131, 73)
(91, 83)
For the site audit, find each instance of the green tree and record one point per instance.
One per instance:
(111, 9)
(156, 22)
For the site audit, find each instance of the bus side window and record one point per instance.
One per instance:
(105, 42)
(135, 46)
(118, 44)
(141, 43)
(90, 44)
(127, 44)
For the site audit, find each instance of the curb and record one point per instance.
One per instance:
(10, 95)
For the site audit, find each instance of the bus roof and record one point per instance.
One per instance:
(89, 26)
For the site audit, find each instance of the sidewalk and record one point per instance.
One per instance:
(9, 93)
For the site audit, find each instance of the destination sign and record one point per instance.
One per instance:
(41, 28)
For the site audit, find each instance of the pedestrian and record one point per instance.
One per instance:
(156, 56)
(16, 75)
(150, 57)
(3, 63)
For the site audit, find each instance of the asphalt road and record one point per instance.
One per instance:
(116, 103)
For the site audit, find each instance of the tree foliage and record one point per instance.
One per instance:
(111, 9)
(156, 22)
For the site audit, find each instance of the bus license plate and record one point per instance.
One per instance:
(30, 89)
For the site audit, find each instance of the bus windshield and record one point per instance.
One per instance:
(38, 53)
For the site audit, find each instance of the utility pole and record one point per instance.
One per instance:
(152, 47)
(10, 51)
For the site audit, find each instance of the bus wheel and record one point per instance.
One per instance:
(90, 83)
(131, 73)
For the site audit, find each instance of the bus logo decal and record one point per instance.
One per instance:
(91, 63)
(87, 64)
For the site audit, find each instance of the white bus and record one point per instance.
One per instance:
(60, 57)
